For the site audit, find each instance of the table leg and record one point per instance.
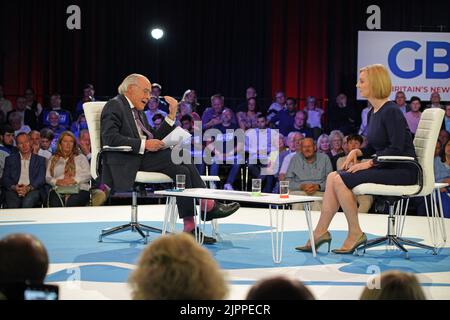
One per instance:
(277, 243)
(307, 207)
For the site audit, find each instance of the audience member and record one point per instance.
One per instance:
(441, 174)
(153, 109)
(28, 117)
(342, 116)
(24, 176)
(35, 139)
(285, 118)
(323, 144)
(279, 288)
(447, 118)
(68, 168)
(99, 191)
(413, 116)
(300, 124)
(308, 171)
(16, 122)
(248, 119)
(79, 125)
(221, 151)
(443, 137)
(190, 100)
(278, 105)
(294, 142)
(435, 101)
(364, 113)
(84, 142)
(185, 109)
(156, 92)
(88, 96)
(314, 116)
(354, 141)
(24, 259)
(33, 105)
(157, 120)
(337, 150)
(65, 117)
(7, 139)
(395, 285)
(175, 267)
(250, 92)
(400, 100)
(5, 104)
(47, 138)
(213, 115)
(54, 125)
(261, 145)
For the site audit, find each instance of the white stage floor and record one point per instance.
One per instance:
(87, 269)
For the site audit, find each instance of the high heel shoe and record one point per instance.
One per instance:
(361, 241)
(325, 238)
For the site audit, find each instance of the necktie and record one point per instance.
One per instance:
(140, 124)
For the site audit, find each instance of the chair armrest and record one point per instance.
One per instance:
(110, 149)
(117, 149)
(401, 159)
(394, 158)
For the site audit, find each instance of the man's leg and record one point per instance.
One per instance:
(31, 199)
(12, 199)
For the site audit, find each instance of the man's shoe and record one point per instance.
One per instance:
(221, 210)
(206, 239)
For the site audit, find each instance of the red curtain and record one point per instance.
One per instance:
(299, 48)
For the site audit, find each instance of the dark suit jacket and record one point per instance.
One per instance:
(11, 172)
(118, 128)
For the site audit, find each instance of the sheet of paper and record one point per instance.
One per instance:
(177, 136)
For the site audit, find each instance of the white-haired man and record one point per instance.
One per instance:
(123, 123)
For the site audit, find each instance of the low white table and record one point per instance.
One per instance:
(272, 200)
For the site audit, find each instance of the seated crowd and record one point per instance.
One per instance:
(280, 142)
(176, 267)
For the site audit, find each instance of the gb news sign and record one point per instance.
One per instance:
(418, 62)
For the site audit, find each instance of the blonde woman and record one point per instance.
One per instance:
(176, 267)
(388, 135)
(68, 168)
(323, 144)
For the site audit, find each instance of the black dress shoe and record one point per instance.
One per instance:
(206, 239)
(221, 210)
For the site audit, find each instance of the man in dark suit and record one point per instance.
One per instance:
(24, 176)
(123, 123)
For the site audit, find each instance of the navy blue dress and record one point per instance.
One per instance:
(388, 135)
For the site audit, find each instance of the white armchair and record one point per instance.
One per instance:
(424, 143)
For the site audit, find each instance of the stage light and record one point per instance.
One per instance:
(157, 33)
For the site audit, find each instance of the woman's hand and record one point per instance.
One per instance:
(67, 181)
(351, 160)
(360, 166)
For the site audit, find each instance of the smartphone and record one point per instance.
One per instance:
(21, 291)
(41, 292)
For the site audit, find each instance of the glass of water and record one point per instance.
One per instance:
(284, 189)
(256, 187)
(180, 182)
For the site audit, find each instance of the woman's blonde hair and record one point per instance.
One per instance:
(176, 267)
(75, 149)
(379, 80)
(395, 285)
